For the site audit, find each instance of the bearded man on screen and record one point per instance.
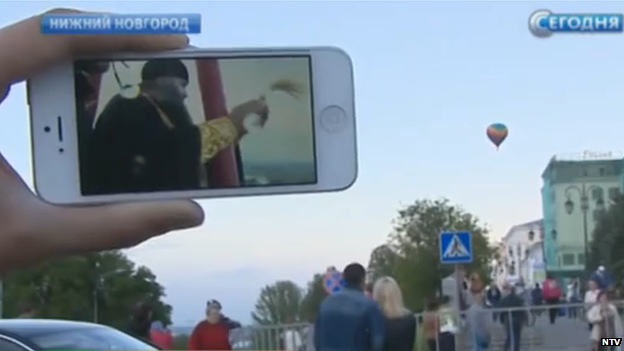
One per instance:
(149, 143)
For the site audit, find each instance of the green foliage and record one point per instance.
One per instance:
(71, 288)
(284, 301)
(311, 302)
(278, 303)
(411, 255)
(382, 262)
(608, 239)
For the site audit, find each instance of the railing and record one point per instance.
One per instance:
(530, 328)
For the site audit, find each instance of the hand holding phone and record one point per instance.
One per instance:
(33, 230)
(183, 132)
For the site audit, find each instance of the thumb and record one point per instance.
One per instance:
(108, 227)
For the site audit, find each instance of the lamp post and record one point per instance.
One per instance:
(583, 192)
(98, 287)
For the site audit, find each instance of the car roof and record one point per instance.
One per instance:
(33, 327)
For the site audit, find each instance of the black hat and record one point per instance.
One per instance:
(158, 68)
(213, 303)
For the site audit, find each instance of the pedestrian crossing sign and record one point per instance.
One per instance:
(455, 247)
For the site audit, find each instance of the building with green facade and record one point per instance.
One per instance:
(576, 188)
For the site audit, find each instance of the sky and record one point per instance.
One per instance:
(430, 77)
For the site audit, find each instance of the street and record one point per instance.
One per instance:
(566, 333)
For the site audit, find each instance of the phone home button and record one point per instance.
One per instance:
(334, 119)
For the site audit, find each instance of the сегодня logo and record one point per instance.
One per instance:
(544, 23)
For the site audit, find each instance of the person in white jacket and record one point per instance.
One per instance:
(591, 296)
(292, 339)
(606, 322)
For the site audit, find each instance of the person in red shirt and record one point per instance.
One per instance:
(213, 333)
(161, 336)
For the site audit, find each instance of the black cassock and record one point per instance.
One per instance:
(138, 146)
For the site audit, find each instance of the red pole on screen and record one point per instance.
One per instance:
(223, 170)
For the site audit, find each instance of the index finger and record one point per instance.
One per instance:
(25, 51)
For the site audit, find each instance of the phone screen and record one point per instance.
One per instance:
(178, 124)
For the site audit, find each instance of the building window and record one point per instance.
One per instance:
(614, 193)
(601, 171)
(567, 259)
(552, 197)
(581, 259)
(597, 194)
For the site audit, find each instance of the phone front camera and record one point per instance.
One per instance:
(46, 129)
(61, 150)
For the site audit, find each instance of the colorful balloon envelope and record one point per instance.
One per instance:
(497, 133)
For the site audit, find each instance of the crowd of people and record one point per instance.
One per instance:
(600, 313)
(377, 320)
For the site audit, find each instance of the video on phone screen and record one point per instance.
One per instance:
(173, 125)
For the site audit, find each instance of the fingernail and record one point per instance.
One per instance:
(192, 216)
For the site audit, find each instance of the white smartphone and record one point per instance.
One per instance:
(194, 124)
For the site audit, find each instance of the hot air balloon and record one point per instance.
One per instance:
(497, 133)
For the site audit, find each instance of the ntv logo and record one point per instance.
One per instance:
(611, 341)
(544, 23)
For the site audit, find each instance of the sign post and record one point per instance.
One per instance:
(456, 249)
(333, 281)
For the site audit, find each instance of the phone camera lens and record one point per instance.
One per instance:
(46, 129)
(61, 150)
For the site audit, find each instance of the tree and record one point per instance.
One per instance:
(103, 286)
(278, 303)
(412, 254)
(315, 293)
(608, 239)
(382, 262)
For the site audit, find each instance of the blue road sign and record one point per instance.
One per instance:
(455, 247)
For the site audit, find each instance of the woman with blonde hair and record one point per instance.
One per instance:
(400, 322)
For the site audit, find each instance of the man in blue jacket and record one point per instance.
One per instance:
(603, 278)
(348, 320)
